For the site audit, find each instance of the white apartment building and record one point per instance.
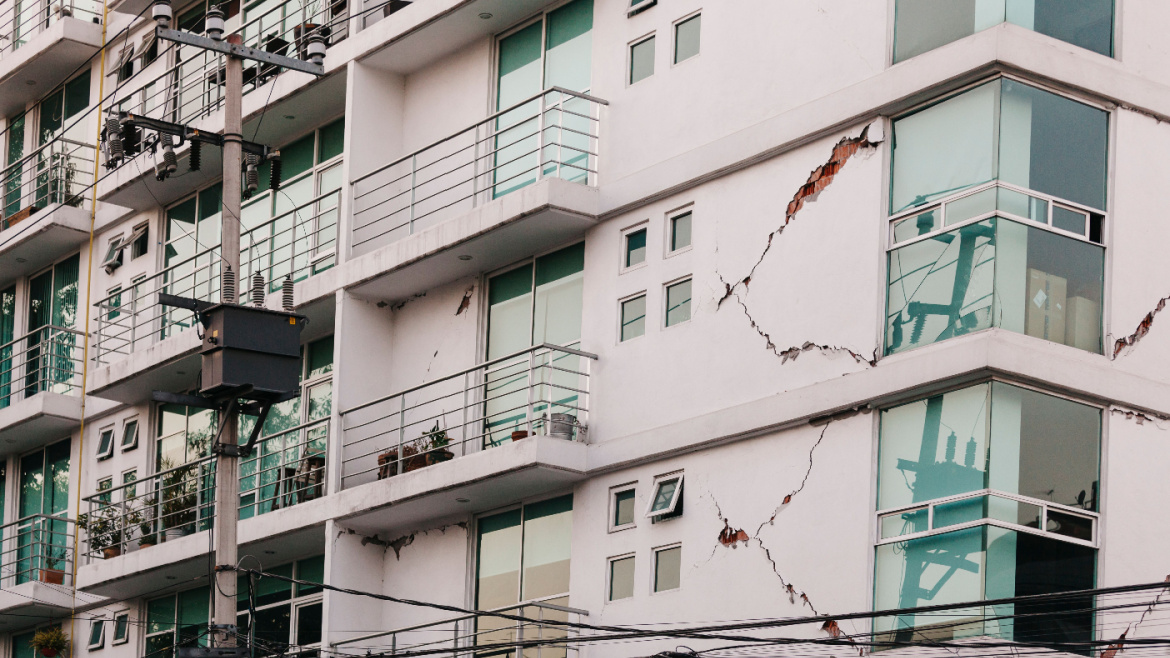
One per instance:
(624, 313)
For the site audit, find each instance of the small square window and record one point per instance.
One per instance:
(667, 568)
(686, 39)
(106, 443)
(678, 303)
(642, 60)
(139, 241)
(115, 304)
(633, 317)
(129, 478)
(130, 435)
(121, 628)
(635, 253)
(680, 232)
(666, 497)
(622, 515)
(97, 634)
(103, 486)
(113, 259)
(638, 6)
(621, 578)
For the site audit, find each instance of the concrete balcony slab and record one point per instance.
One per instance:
(167, 365)
(47, 236)
(31, 603)
(45, 61)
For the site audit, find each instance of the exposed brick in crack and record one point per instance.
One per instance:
(1118, 646)
(818, 180)
(465, 303)
(1139, 417)
(731, 536)
(1143, 328)
(834, 630)
(406, 540)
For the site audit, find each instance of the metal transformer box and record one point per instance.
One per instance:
(245, 345)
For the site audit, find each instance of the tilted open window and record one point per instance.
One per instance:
(666, 497)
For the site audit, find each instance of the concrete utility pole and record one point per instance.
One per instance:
(227, 481)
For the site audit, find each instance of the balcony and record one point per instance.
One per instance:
(469, 635)
(506, 428)
(36, 563)
(42, 42)
(40, 377)
(149, 347)
(142, 529)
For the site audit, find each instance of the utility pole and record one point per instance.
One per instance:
(227, 447)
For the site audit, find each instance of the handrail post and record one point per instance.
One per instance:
(528, 409)
(540, 139)
(413, 189)
(463, 418)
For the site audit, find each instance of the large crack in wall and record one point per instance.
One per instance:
(1143, 328)
(819, 179)
(1118, 646)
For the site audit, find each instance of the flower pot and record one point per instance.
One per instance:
(111, 551)
(175, 533)
(388, 461)
(49, 653)
(142, 544)
(439, 456)
(519, 434)
(52, 576)
(414, 461)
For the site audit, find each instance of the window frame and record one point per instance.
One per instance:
(139, 232)
(614, 491)
(675, 498)
(626, 234)
(113, 257)
(621, 317)
(107, 492)
(609, 564)
(104, 454)
(671, 216)
(674, 60)
(656, 552)
(100, 642)
(294, 604)
(636, 7)
(666, 300)
(629, 75)
(126, 424)
(124, 615)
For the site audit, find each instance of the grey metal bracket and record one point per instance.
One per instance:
(242, 52)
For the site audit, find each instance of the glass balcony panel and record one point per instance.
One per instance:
(1023, 205)
(972, 205)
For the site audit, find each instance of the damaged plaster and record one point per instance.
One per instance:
(1139, 417)
(465, 303)
(1143, 328)
(401, 542)
(819, 179)
(1118, 646)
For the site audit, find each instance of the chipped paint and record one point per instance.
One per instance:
(1143, 328)
(465, 303)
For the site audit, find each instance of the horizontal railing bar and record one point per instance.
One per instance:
(210, 459)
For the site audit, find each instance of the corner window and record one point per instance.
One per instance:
(641, 60)
(633, 320)
(621, 578)
(678, 302)
(922, 25)
(987, 492)
(121, 629)
(667, 568)
(622, 514)
(666, 497)
(105, 443)
(130, 435)
(999, 217)
(635, 248)
(97, 634)
(686, 38)
(680, 232)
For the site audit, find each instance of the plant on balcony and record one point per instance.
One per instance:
(106, 529)
(50, 642)
(388, 461)
(430, 448)
(52, 572)
(178, 500)
(147, 528)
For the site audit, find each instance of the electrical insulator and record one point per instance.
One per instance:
(114, 140)
(274, 172)
(170, 161)
(251, 173)
(286, 294)
(258, 289)
(195, 157)
(228, 290)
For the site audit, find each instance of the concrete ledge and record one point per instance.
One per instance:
(168, 365)
(37, 419)
(47, 236)
(28, 604)
(46, 59)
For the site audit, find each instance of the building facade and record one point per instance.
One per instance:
(507, 222)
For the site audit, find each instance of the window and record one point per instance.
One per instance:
(1002, 482)
(104, 485)
(680, 232)
(139, 240)
(666, 497)
(124, 65)
(678, 302)
(686, 38)
(635, 251)
(52, 303)
(121, 628)
(1000, 217)
(192, 230)
(633, 317)
(149, 51)
(667, 568)
(288, 616)
(114, 303)
(97, 634)
(621, 578)
(177, 620)
(638, 6)
(522, 555)
(922, 25)
(7, 334)
(183, 435)
(622, 508)
(130, 434)
(113, 259)
(105, 443)
(294, 231)
(44, 490)
(14, 200)
(129, 478)
(641, 60)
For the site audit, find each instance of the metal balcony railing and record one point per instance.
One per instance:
(552, 134)
(286, 468)
(45, 359)
(541, 390)
(192, 84)
(37, 548)
(58, 172)
(299, 243)
(21, 20)
(481, 636)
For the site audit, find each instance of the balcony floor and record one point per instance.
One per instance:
(29, 604)
(45, 60)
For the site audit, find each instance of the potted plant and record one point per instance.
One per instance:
(147, 532)
(436, 446)
(50, 642)
(519, 434)
(104, 529)
(388, 461)
(178, 501)
(52, 573)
